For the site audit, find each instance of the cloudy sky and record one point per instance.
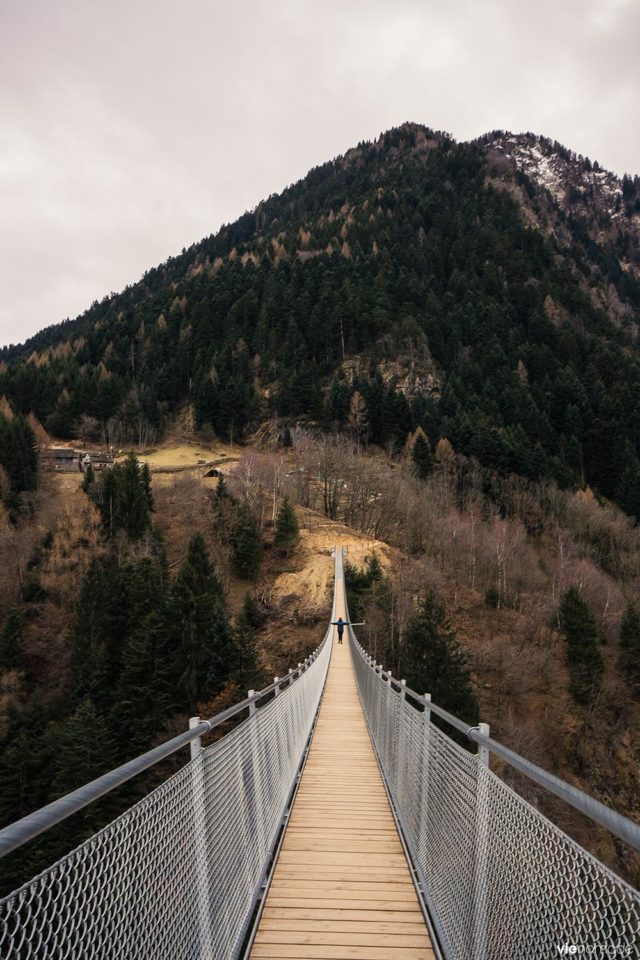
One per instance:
(131, 128)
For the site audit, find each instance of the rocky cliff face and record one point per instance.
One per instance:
(608, 206)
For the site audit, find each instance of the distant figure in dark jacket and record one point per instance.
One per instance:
(340, 624)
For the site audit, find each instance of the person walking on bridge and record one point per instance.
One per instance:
(340, 624)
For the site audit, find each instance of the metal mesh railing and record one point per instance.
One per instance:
(499, 880)
(177, 875)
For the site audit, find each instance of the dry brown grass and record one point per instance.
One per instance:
(179, 456)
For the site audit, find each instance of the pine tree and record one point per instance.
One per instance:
(630, 644)
(628, 490)
(204, 644)
(89, 479)
(246, 545)
(125, 498)
(145, 476)
(99, 631)
(144, 691)
(373, 568)
(421, 454)
(433, 661)
(583, 649)
(222, 492)
(10, 639)
(83, 749)
(18, 456)
(134, 500)
(247, 673)
(142, 698)
(287, 527)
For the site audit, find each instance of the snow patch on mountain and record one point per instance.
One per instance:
(567, 176)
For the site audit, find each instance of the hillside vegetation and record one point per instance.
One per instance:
(120, 624)
(442, 282)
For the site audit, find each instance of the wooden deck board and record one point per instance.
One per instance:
(341, 888)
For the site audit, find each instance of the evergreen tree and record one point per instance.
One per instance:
(373, 568)
(18, 457)
(144, 691)
(224, 512)
(89, 479)
(203, 639)
(287, 527)
(286, 440)
(433, 661)
(10, 639)
(146, 486)
(630, 644)
(100, 628)
(133, 497)
(246, 545)
(628, 490)
(583, 649)
(222, 493)
(125, 498)
(83, 751)
(247, 673)
(25, 768)
(421, 455)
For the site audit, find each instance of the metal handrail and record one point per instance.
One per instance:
(30, 826)
(628, 830)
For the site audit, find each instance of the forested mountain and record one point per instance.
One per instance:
(488, 292)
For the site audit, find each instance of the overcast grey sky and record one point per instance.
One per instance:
(131, 128)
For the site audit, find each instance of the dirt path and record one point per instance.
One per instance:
(313, 583)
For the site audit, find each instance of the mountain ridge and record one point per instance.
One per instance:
(502, 260)
(522, 149)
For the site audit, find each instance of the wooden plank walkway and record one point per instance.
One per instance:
(341, 889)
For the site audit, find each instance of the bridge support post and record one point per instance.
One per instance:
(257, 783)
(400, 741)
(480, 905)
(425, 774)
(196, 745)
(200, 844)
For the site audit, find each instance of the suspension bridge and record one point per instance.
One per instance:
(336, 820)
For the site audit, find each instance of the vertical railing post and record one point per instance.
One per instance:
(390, 721)
(483, 752)
(425, 774)
(200, 843)
(480, 905)
(401, 752)
(276, 680)
(255, 770)
(379, 692)
(196, 744)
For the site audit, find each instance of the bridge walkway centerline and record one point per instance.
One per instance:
(341, 888)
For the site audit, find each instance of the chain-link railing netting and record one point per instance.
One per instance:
(499, 879)
(177, 875)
